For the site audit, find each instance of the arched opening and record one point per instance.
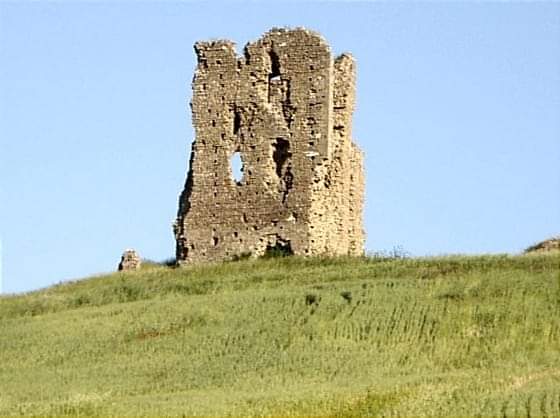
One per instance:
(279, 249)
(236, 166)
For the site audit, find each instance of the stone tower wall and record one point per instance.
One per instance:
(285, 107)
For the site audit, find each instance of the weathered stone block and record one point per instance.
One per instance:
(130, 260)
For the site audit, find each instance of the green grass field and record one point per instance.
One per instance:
(448, 336)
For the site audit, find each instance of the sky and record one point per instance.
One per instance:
(458, 114)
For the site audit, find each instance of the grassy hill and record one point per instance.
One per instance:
(449, 336)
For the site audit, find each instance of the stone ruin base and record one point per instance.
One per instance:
(130, 260)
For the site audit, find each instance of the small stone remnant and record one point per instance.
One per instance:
(552, 244)
(283, 112)
(130, 260)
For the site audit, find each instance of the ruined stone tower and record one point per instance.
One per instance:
(285, 108)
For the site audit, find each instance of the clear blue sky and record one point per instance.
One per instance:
(458, 112)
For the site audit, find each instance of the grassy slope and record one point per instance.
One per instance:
(338, 337)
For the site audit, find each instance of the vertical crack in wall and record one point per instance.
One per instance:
(282, 161)
(274, 65)
(236, 120)
(281, 155)
(287, 109)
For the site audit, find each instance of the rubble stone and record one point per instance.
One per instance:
(285, 108)
(130, 260)
(548, 245)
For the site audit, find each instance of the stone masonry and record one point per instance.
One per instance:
(285, 108)
(130, 260)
